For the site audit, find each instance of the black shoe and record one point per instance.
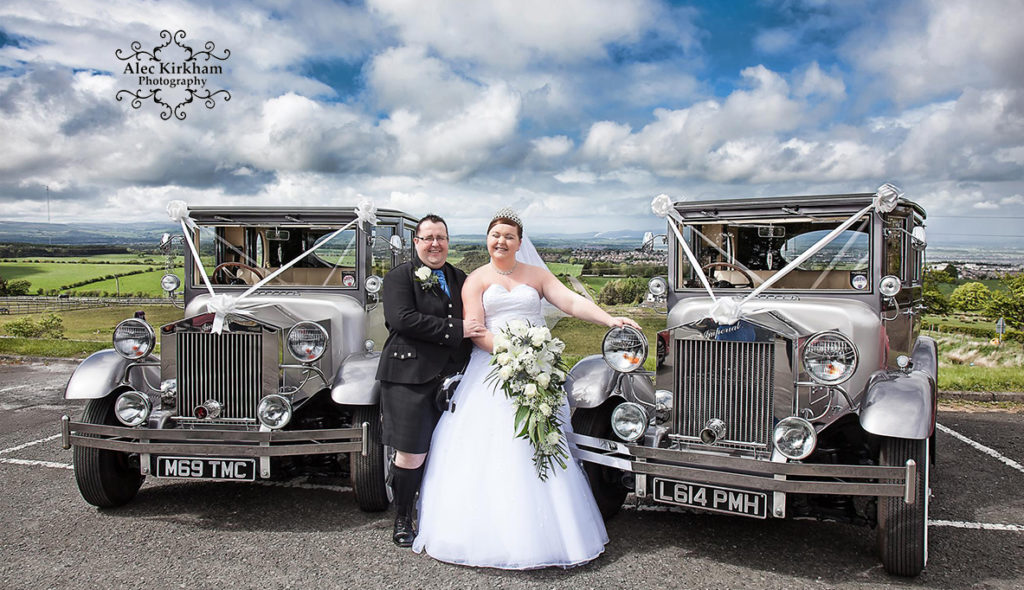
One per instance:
(404, 531)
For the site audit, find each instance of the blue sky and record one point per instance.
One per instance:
(576, 112)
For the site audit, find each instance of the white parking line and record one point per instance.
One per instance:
(28, 444)
(988, 451)
(978, 525)
(36, 463)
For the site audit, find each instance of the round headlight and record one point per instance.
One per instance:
(829, 358)
(274, 411)
(629, 421)
(374, 284)
(624, 349)
(134, 339)
(170, 283)
(132, 408)
(657, 286)
(889, 286)
(307, 341)
(795, 438)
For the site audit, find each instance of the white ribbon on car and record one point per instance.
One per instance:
(729, 310)
(222, 304)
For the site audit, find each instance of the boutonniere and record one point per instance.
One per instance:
(426, 278)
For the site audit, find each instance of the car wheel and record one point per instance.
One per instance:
(105, 478)
(605, 482)
(902, 527)
(369, 473)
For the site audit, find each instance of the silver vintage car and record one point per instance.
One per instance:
(271, 371)
(792, 381)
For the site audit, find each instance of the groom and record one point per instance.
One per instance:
(427, 341)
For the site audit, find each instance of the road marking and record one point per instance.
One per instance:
(988, 451)
(36, 463)
(28, 444)
(978, 525)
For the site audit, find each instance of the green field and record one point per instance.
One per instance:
(97, 325)
(992, 284)
(147, 282)
(51, 275)
(595, 283)
(564, 268)
(146, 259)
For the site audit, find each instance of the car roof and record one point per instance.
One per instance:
(286, 215)
(805, 204)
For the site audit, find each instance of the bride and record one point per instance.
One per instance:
(481, 502)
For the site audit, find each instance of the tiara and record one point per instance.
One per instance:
(508, 213)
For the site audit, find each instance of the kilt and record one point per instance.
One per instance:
(409, 415)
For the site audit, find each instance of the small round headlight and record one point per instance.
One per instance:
(629, 421)
(657, 286)
(374, 284)
(889, 286)
(170, 283)
(134, 339)
(795, 438)
(132, 408)
(829, 358)
(624, 349)
(307, 341)
(274, 411)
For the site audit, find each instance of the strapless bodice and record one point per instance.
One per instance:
(501, 306)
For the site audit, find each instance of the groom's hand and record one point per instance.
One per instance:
(473, 328)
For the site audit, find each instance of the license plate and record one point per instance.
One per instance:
(713, 498)
(206, 468)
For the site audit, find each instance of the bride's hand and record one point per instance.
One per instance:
(618, 322)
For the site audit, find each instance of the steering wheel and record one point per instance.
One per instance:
(230, 278)
(726, 284)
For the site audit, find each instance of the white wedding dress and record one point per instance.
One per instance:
(481, 502)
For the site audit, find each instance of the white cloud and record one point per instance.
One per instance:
(552, 147)
(924, 49)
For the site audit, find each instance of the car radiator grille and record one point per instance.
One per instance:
(731, 381)
(223, 367)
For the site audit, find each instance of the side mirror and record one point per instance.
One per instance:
(396, 243)
(919, 238)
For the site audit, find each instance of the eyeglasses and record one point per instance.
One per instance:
(438, 239)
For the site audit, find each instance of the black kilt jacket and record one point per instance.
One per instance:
(424, 326)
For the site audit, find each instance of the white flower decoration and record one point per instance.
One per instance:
(423, 273)
(886, 197)
(543, 380)
(530, 390)
(366, 211)
(661, 205)
(726, 311)
(553, 438)
(545, 409)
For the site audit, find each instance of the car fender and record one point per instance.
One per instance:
(355, 382)
(104, 371)
(926, 356)
(590, 382)
(899, 405)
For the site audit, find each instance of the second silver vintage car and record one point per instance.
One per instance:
(252, 383)
(792, 380)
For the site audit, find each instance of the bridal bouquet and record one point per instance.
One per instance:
(529, 369)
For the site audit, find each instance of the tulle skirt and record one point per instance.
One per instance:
(481, 502)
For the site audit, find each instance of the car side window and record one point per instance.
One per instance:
(895, 246)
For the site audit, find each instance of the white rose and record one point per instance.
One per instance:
(543, 380)
(505, 372)
(545, 409)
(422, 273)
(518, 327)
(501, 343)
(553, 438)
(504, 358)
(530, 390)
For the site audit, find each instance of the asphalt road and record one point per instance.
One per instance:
(303, 534)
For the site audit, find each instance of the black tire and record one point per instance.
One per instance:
(902, 527)
(106, 479)
(369, 473)
(605, 482)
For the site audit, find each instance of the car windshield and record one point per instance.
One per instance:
(246, 254)
(744, 254)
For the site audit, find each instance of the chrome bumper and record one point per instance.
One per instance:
(749, 474)
(215, 443)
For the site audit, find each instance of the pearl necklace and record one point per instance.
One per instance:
(505, 273)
